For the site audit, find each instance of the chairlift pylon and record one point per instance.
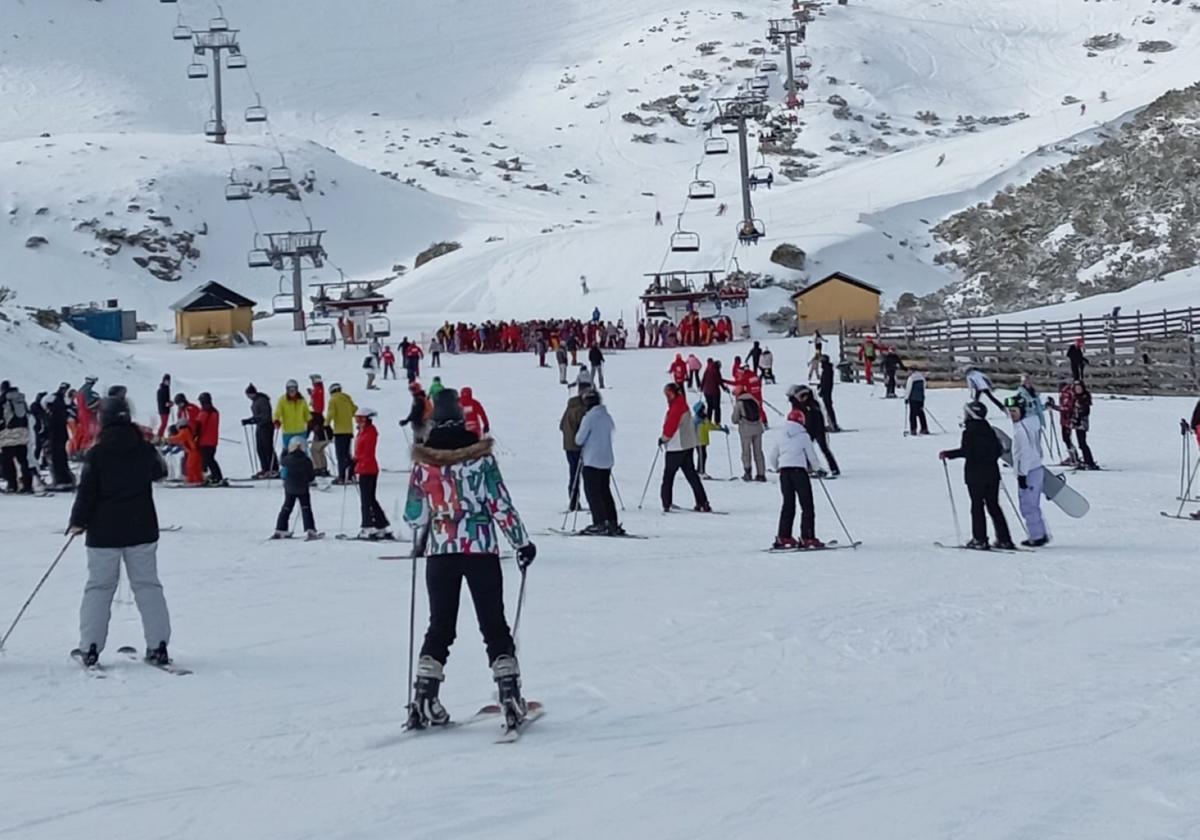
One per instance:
(257, 114)
(701, 189)
(685, 242)
(716, 146)
(197, 70)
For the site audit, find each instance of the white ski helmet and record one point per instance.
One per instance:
(364, 411)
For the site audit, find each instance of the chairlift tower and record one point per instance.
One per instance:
(296, 247)
(737, 112)
(216, 41)
(790, 33)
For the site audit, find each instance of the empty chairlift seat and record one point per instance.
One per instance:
(182, 33)
(717, 145)
(759, 83)
(237, 190)
(196, 70)
(235, 61)
(257, 114)
(685, 242)
(702, 189)
(283, 304)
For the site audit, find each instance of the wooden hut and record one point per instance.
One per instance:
(836, 300)
(213, 316)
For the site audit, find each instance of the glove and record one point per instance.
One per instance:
(1022, 483)
(277, 424)
(725, 429)
(74, 530)
(662, 441)
(944, 454)
(525, 555)
(404, 422)
(249, 421)
(1183, 428)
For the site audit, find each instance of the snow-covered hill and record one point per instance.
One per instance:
(524, 113)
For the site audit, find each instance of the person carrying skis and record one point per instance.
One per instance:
(711, 386)
(292, 415)
(163, 400)
(14, 440)
(767, 361)
(1027, 461)
(560, 357)
(418, 414)
(596, 360)
(980, 386)
(866, 354)
(914, 397)
(114, 506)
(1077, 359)
(980, 449)
(316, 393)
(340, 420)
(572, 418)
(457, 533)
(1081, 421)
(389, 362)
(264, 432)
(825, 390)
(747, 416)
(375, 525)
(693, 369)
(208, 437)
(678, 371)
(891, 363)
(298, 474)
(814, 424)
(704, 429)
(793, 456)
(474, 416)
(595, 439)
(679, 439)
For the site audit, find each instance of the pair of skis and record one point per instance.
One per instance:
(832, 545)
(510, 730)
(990, 548)
(99, 672)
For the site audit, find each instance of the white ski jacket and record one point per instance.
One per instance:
(793, 448)
(1027, 445)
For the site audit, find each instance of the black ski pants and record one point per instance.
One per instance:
(264, 442)
(435, 360)
(59, 465)
(889, 381)
(794, 483)
(713, 401)
(289, 504)
(209, 455)
(13, 458)
(673, 463)
(985, 498)
(823, 442)
(827, 401)
(702, 459)
(597, 484)
(341, 445)
(574, 477)
(372, 513)
(1082, 434)
(693, 380)
(444, 575)
(1077, 370)
(916, 416)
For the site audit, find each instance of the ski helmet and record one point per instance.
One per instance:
(335, 388)
(364, 411)
(205, 399)
(975, 410)
(114, 410)
(292, 385)
(1016, 401)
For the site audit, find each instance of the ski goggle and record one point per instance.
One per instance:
(1014, 402)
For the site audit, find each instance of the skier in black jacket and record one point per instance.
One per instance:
(262, 418)
(115, 507)
(825, 389)
(298, 474)
(60, 412)
(163, 399)
(814, 424)
(981, 449)
(596, 360)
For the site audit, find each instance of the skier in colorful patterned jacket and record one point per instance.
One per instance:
(456, 502)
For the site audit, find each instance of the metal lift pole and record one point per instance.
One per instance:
(297, 294)
(744, 161)
(791, 79)
(220, 135)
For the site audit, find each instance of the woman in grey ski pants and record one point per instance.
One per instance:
(104, 572)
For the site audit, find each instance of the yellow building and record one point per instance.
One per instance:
(214, 316)
(837, 299)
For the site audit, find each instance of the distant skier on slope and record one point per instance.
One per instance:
(457, 534)
(814, 424)
(375, 525)
(980, 386)
(825, 389)
(981, 450)
(914, 397)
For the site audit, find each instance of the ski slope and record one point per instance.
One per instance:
(696, 687)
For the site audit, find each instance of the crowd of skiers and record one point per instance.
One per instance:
(538, 336)
(691, 331)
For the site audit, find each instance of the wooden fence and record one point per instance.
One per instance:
(1145, 353)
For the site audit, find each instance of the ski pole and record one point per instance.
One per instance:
(953, 505)
(729, 457)
(517, 618)
(36, 589)
(1187, 492)
(617, 487)
(845, 531)
(935, 420)
(1183, 459)
(412, 618)
(653, 464)
(773, 408)
(342, 520)
(573, 496)
(1016, 511)
(249, 451)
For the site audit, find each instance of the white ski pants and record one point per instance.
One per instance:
(1031, 503)
(104, 572)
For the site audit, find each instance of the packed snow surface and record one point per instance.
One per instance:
(696, 687)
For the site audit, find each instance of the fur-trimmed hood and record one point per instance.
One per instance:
(422, 454)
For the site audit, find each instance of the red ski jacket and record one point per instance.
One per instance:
(364, 450)
(678, 371)
(209, 433)
(475, 417)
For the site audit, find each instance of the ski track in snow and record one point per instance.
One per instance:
(695, 686)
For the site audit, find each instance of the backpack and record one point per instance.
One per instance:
(368, 362)
(16, 412)
(750, 412)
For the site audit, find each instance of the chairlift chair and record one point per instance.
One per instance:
(759, 83)
(716, 146)
(700, 189)
(259, 258)
(197, 70)
(802, 83)
(237, 190)
(729, 128)
(212, 128)
(761, 175)
(804, 63)
(236, 61)
(379, 326)
(750, 231)
(168, 1)
(278, 176)
(181, 33)
(258, 114)
(685, 242)
(767, 65)
(218, 24)
(283, 303)
(318, 333)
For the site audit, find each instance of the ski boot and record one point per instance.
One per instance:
(1195, 515)
(1038, 543)
(280, 535)
(158, 656)
(782, 543)
(1004, 545)
(810, 543)
(978, 545)
(312, 535)
(427, 709)
(507, 674)
(366, 533)
(703, 508)
(746, 476)
(614, 529)
(92, 657)
(594, 530)
(383, 534)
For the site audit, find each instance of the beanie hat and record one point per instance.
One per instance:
(251, 390)
(114, 410)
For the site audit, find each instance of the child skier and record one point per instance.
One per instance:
(193, 464)
(1081, 415)
(793, 456)
(914, 397)
(704, 429)
(1066, 413)
(981, 448)
(1027, 461)
(457, 533)
(297, 473)
(375, 525)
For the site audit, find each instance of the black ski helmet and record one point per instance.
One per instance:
(1016, 401)
(591, 398)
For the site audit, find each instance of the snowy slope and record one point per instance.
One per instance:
(696, 687)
